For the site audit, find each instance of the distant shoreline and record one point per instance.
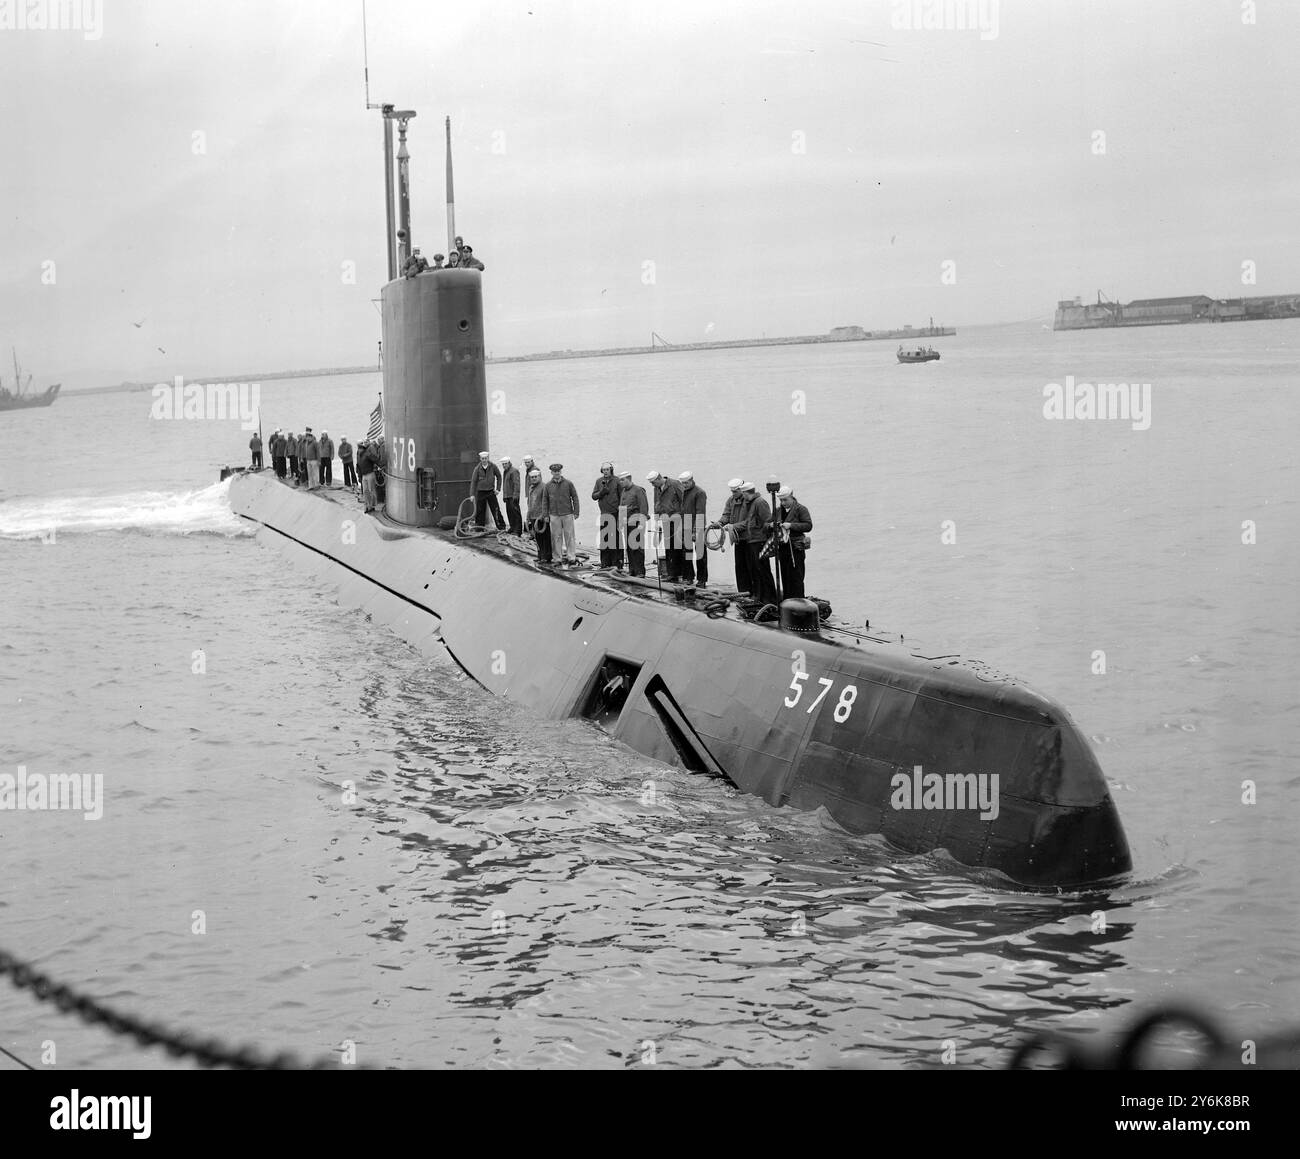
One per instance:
(839, 335)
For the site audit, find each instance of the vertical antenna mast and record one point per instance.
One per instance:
(451, 197)
(387, 112)
(365, 54)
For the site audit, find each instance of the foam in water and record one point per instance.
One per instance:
(205, 511)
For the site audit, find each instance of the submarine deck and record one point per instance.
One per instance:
(710, 690)
(717, 601)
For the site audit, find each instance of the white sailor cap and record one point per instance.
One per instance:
(507, 459)
(625, 474)
(650, 478)
(685, 477)
(784, 493)
(735, 484)
(748, 487)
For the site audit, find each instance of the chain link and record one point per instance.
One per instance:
(207, 1053)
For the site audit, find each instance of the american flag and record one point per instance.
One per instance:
(376, 422)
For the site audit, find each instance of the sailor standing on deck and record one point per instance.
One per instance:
(695, 558)
(758, 517)
(510, 493)
(607, 494)
(795, 523)
(345, 457)
(732, 524)
(326, 459)
(291, 452)
(312, 456)
(483, 485)
(668, 502)
(561, 506)
(539, 525)
(366, 469)
(255, 445)
(635, 516)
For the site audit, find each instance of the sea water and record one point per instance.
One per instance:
(312, 836)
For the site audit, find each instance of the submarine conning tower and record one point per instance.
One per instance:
(434, 381)
(435, 392)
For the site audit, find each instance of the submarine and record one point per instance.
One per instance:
(932, 754)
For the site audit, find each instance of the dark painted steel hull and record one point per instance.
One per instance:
(715, 694)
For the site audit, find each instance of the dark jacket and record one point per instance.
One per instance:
(326, 446)
(736, 512)
(255, 443)
(277, 446)
(694, 504)
(636, 502)
(537, 502)
(606, 494)
(561, 498)
(485, 478)
(308, 449)
(291, 447)
(366, 462)
(757, 519)
(668, 496)
(510, 483)
(638, 507)
(797, 517)
(345, 451)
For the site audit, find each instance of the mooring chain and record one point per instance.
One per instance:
(208, 1053)
(1277, 1053)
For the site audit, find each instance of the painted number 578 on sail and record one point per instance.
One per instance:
(843, 706)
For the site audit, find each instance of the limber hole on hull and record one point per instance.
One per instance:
(609, 691)
(692, 750)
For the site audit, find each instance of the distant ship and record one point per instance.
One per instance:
(20, 397)
(1072, 314)
(928, 751)
(920, 354)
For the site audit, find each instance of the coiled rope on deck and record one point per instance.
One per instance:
(466, 528)
(208, 1052)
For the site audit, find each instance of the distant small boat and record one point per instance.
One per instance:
(20, 398)
(920, 354)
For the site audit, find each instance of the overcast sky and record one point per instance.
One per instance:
(787, 167)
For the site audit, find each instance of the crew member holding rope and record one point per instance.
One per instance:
(539, 524)
(732, 533)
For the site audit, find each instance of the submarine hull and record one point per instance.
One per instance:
(932, 755)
